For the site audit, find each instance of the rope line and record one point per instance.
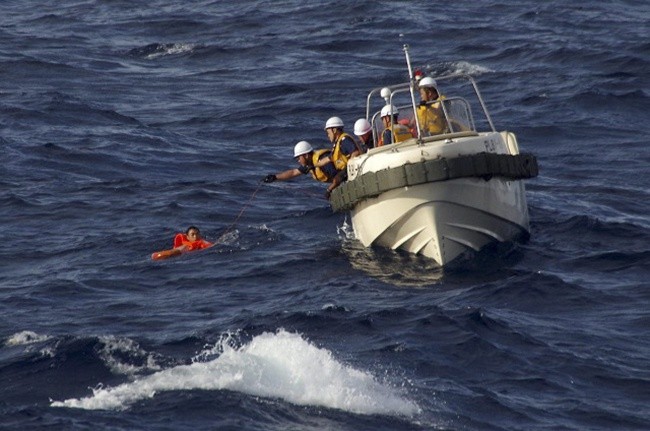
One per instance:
(246, 205)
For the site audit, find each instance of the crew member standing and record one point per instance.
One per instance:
(429, 112)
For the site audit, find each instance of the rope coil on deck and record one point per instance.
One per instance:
(482, 165)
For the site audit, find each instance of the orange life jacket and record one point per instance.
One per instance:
(340, 159)
(399, 133)
(181, 239)
(431, 118)
(318, 173)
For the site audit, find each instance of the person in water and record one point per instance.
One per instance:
(191, 240)
(315, 162)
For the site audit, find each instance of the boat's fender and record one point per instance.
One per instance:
(483, 165)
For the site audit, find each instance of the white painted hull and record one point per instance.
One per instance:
(441, 220)
(445, 219)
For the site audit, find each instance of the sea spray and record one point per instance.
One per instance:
(276, 365)
(25, 338)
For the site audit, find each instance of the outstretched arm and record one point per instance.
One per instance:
(288, 174)
(282, 176)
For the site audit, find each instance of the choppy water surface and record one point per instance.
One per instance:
(123, 123)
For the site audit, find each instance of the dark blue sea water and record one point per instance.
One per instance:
(123, 122)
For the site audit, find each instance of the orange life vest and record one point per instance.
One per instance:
(181, 239)
(340, 159)
(399, 132)
(431, 117)
(316, 172)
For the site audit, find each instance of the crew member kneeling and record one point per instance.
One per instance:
(309, 160)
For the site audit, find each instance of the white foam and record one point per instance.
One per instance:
(172, 49)
(457, 67)
(468, 68)
(24, 338)
(345, 231)
(114, 350)
(229, 237)
(276, 365)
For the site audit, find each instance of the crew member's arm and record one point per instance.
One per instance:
(323, 161)
(349, 147)
(282, 176)
(336, 181)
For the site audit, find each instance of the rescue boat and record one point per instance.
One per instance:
(443, 195)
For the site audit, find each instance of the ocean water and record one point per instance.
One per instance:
(124, 122)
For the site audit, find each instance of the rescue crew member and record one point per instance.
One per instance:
(392, 128)
(363, 130)
(191, 240)
(311, 161)
(344, 146)
(429, 112)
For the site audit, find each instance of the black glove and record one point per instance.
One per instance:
(270, 178)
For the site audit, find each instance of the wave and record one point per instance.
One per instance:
(156, 50)
(125, 356)
(24, 338)
(451, 67)
(392, 267)
(467, 67)
(275, 365)
(33, 67)
(121, 356)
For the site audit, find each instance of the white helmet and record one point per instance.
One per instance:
(361, 127)
(333, 122)
(302, 147)
(427, 82)
(389, 110)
